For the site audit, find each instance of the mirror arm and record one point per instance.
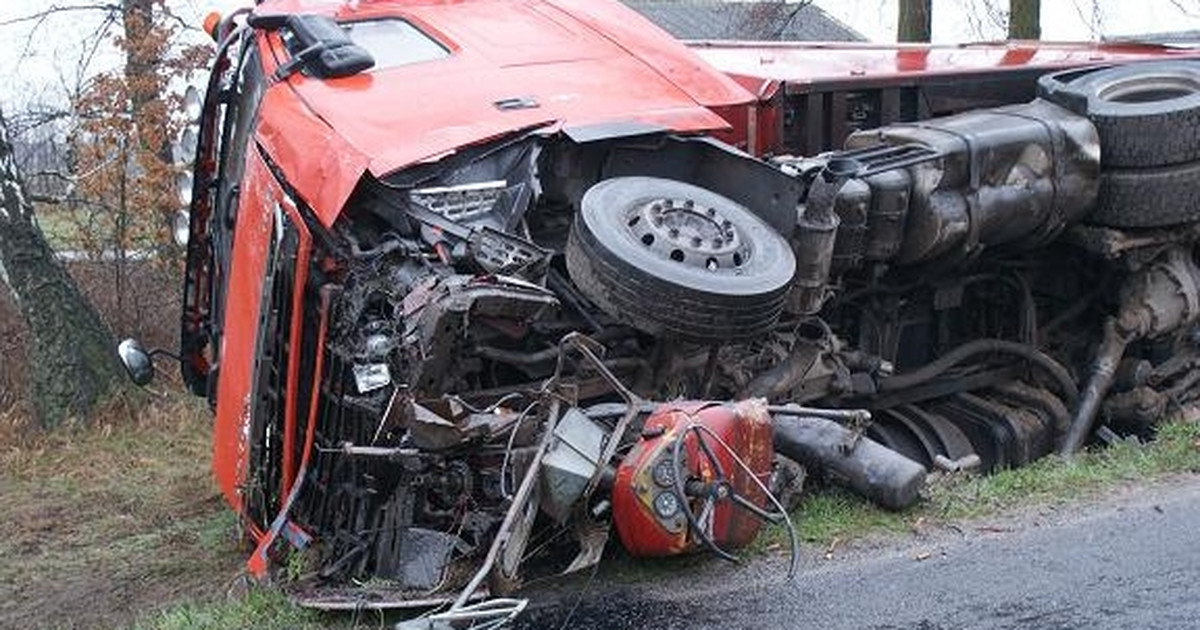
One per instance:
(164, 352)
(288, 69)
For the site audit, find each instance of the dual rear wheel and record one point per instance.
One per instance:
(1148, 119)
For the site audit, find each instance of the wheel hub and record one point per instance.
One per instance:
(688, 233)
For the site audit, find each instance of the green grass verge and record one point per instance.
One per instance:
(85, 229)
(1054, 479)
(67, 229)
(107, 520)
(259, 608)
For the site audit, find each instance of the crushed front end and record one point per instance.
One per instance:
(464, 402)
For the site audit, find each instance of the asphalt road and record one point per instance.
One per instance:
(1128, 561)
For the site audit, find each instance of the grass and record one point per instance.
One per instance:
(258, 608)
(1054, 479)
(67, 229)
(108, 522)
(84, 229)
(120, 526)
(829, 518)
(838, 514)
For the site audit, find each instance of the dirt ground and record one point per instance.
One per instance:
(103, 526)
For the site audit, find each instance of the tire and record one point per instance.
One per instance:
(1147, 114)
(723, 275)
(1154, 197)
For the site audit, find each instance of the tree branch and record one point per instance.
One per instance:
(179, 21)
(1183, 8)
(799, 6)
(54, 8)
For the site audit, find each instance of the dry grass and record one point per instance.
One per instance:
(106, 524)
(140, 300)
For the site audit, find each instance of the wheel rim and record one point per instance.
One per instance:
(1149, 89)
(688, 234)
(671, 258)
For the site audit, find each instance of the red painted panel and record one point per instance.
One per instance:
(761, 66)
(744, 426)
(247, 270)
(580, 62)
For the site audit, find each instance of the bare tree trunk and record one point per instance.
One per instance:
(1024, 19)
(916, 21)
(142, 54)
(144, 49)
(73, 359)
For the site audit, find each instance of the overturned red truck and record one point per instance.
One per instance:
(472, 284)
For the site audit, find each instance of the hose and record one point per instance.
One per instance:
(780, 514)
(393, 243)
(1061, 376)
(1108, 357)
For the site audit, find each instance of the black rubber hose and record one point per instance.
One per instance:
(1069, 390)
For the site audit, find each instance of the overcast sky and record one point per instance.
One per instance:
(35, 69)
(39, 58)
(1061, 19)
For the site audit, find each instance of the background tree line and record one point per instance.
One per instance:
(99, 180)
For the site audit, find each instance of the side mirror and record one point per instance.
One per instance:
(137, 362)
(343, 61)
(322, 46)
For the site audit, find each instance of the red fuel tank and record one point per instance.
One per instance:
(686, 461)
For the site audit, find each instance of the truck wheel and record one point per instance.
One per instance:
(674, 259)
(1151, 197)
(1147, 114)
